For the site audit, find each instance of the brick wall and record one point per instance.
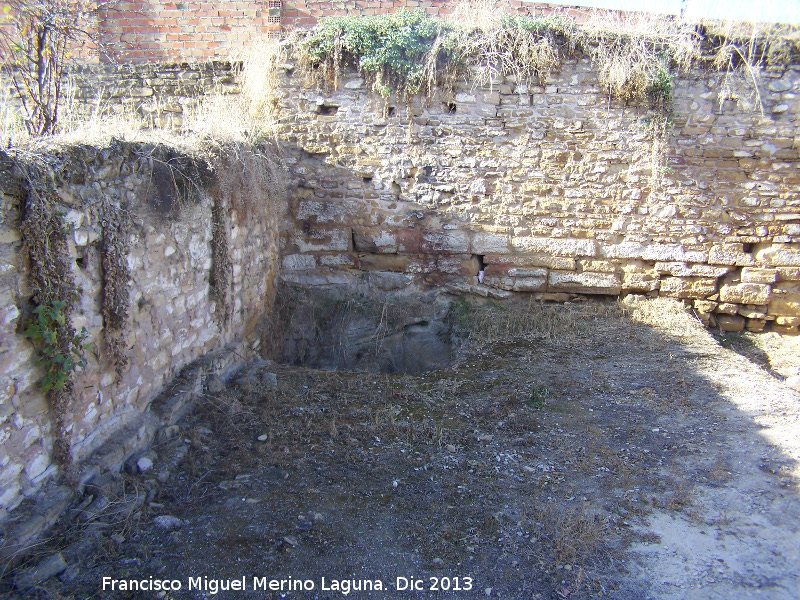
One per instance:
(156, 31)
(306, 13)
(140, 31)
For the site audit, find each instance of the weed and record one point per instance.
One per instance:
(539, 395)
(391, 50)
(61, 357)
(116, 299)
(742, 50)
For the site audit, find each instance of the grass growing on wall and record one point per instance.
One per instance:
(635, 55)
(410, 52)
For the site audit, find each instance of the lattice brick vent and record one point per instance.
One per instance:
(274, 9)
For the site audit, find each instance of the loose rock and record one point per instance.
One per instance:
(168, 522)
(46, 569)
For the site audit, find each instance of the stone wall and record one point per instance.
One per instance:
(162, 93)
(173, 318)
(552, 191)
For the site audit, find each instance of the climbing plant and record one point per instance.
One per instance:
(61, 348)
(114, 263)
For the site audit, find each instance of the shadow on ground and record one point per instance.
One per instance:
(572, 451)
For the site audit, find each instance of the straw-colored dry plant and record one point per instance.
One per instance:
(742, 50)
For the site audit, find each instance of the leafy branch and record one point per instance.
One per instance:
(63, 351)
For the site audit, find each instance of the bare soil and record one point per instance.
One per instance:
(574, 451)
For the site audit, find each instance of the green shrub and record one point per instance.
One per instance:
(63, 350)
(384, 48)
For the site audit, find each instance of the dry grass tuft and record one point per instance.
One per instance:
(743, 50)
(493, 322)
(665, 314)
(493, 43)
(632, 50)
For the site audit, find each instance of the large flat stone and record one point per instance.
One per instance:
(654, 252)
(323, 240)
(683, 287)
(779, 256)
(450, 242)
(299, 262)
(730, 254)
(584, 283)
(561, 263)
(375, 240)
(640, 282)
(328, 212)
(746, 293)
(556, 246)
(680, 269)
(754, 275)
(397, 263)
(489, 243)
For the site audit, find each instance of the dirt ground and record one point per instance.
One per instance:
(585, 450)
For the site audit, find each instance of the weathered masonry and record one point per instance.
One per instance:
(199, 271)
(551, 191)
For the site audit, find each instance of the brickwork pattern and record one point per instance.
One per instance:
(155, 31)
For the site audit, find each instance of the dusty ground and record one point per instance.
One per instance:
(576, 451)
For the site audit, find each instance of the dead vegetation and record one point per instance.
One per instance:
(456, 472)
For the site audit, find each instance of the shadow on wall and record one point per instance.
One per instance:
(339, 328)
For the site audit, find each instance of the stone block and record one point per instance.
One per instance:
(449, 242)
(328, 212)
(705, 306)
(323, 240)
(687, 287)
(489, 243)
(299, 262)
(532, 260)
(519, 272)
(754, 275)
(679, 269)
(730, 322)
(397, 263)
(654, 252)
(337, 260)
(780, 255)
(726, 308)
(788, 306)
(640, 282)
(756, 325)
(530, 284)
(584, 283)
(555, 246)
(746, 293)
(50, 567)
(788, 321)
(375, 241)
(598, 266)
(387, 281)
(730, 254)
(752, 312)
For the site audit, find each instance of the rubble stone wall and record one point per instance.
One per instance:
(551, 191)
(172, 317)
